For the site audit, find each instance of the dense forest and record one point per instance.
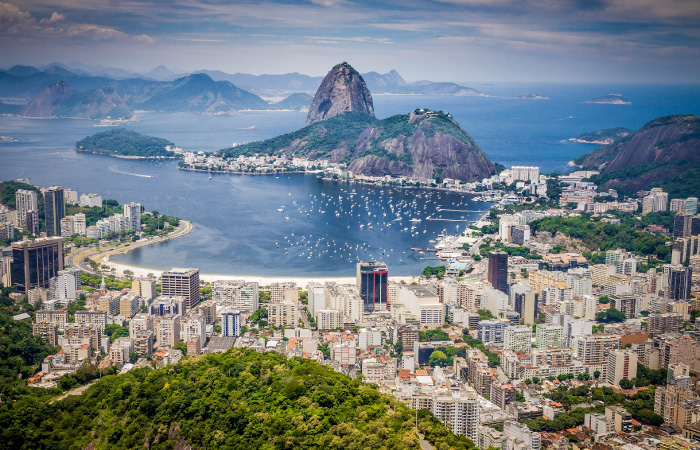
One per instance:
(238, 400)
(123, 142)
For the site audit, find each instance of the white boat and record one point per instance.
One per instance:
(280, 209)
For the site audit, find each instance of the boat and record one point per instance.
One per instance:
(280, 209)
(416, 249)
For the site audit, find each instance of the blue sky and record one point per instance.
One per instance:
(446, 40)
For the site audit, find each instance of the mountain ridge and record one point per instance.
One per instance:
(662, 149)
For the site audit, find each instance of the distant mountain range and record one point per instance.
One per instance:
(206, 92)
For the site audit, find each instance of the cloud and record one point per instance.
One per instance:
(21, 24)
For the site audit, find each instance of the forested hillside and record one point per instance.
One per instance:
(238, 400)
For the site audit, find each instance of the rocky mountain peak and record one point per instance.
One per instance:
(341, 91)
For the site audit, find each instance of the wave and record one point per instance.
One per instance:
(116, 169)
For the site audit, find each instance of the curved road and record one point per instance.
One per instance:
(78, 258)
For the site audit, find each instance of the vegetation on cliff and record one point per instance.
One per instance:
(123, 142)
(601, 236)
(238, 400)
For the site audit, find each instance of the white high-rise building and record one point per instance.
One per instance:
(25, 201)
(316, 298)
(329, 319)
(517, 338)
(194, 326)
(168, 330)
(239, 294)
(230, 319)
(132, 216)
(547, 336)
(90, 200)
(518, 436)
(459, 411)
(369, 338)
(79, 225)
(64, 286)
(622, 364)
(70, 196)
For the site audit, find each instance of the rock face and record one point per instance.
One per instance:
(59, 100)
(435, 146)
(342, 90)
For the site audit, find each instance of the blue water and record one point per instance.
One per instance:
(237, 228)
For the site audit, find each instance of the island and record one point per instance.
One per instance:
(611, 99)
(531, 96)
(603, 137)
(124, 143)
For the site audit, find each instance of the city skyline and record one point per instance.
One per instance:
(449, 40)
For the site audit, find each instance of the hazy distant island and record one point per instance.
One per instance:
(125, 143)
(531, 96)
(611, 99)
(603, 137)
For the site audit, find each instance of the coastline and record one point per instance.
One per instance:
(262, 280)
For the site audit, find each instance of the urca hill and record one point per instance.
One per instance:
(341, 127)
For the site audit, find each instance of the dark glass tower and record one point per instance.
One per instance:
(35, 262)
(54, 209)
(373, 283)
(498, 270)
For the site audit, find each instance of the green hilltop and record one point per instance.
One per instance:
(238, 400)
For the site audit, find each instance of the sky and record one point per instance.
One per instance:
(646, 41)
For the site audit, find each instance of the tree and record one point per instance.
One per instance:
(596, 374)
(528, 381)
(611, 315)
(536, 380)
(583, 376)
(604, 300)
(626, 384)
(437, 358)
(115, 331)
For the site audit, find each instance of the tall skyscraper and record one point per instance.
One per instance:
(691, 205)
(54, 210)
(182, 282)
(373, 283)
(35, 262)
(132, 215)
(682, 223)
(498, 270)
(25, 201)
(678, 280)
(525, 304)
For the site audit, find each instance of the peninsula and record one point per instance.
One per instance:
(603, 137)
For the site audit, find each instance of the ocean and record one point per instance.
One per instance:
(238, 229)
